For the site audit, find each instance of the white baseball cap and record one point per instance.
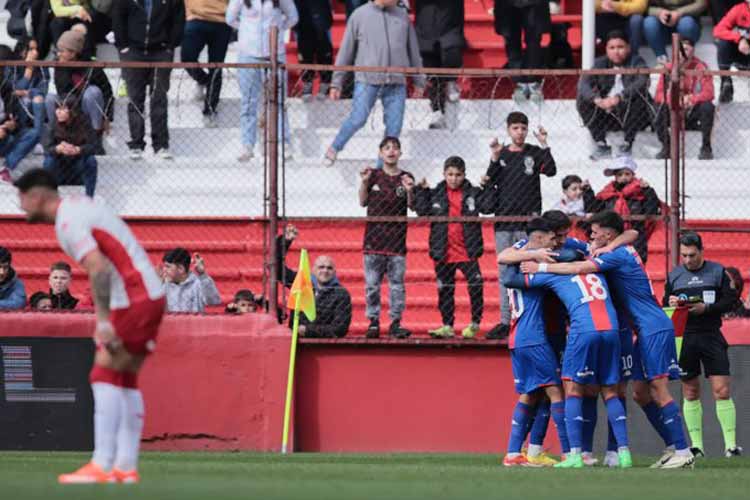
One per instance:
(620, 163)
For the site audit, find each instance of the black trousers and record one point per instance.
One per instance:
(314, 42)
(630, 116)
(728, 54)
(525, 25)
(138, 81)
(439, 57)
(699, 117)
(719, 8)
(446, 281)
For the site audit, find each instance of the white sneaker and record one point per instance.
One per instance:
(520, 93)
(323, 90)
(681, 461)
(589, 460)
(452, 91)
(199, 93)
(330, 157)
(611, 459)
(246, 155)
(661, 61)
(438, 121)
(665, 456)
(38, 150)
(288, 155)
(164, 154)
(210, 121)
(136, 154)
(535, 93)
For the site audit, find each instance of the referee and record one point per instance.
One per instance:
(704, 287)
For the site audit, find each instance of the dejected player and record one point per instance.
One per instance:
(129, 301)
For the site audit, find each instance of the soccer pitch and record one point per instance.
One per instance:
(219, 476)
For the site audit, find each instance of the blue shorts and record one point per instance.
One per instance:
(626, 354)
(659, 355)
(592, 358)
(534, 367)
(638, 373)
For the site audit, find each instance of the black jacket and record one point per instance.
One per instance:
(592, 86)
(333, 304)
(160, 31)
(63, 301)
(80, 134)
(71, 94)
(439, 21)
(434, 202)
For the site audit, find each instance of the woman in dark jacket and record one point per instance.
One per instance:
(69, 149)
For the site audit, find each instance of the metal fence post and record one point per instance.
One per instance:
(272, 149)
(675, 123)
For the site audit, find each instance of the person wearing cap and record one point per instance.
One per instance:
(627, 195)
(609, 102)
(12, 290)
(697, 95)
(84, 88)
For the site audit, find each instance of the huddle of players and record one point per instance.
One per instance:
(607, 298)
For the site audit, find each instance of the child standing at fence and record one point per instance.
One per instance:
(456, 245)
(386, 192)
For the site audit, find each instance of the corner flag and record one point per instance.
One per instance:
(301, 295)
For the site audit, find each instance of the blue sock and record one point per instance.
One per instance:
(541, 421)
(654, 416)
(670, 415)
(574, 420)
(519, 427)
(618, 420)
(558, 415)
(590, 415)
(611, 438)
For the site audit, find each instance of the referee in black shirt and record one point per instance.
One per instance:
(704, 287)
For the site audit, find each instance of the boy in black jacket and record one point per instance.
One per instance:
(456, 245)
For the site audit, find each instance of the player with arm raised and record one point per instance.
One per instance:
(129, 301)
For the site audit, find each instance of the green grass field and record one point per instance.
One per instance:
(219, 476)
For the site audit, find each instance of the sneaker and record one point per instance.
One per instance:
(626, 459)
(126, 477)
(663, 459)
(396, 331)
(535, 93)
(307, 89)
(572, 461)
(443, 332)
(373, 331)
(602, 150)
(330, 157)
(210, 120)
(521, 93)
(498, 332)
(247, 154)
(288, 155)
(625, 148)
(697, 452)
(323, 90)
(438, 121)
(517, 461)
(664, 153)
(164, 154)
(88, 474)
(136, 154)
(452, 92)
(733, 452)
(38, 150)
(726, 94)
(5, 176)
(122, 89)
(554, 8)
(542, 460)
(470, 331)
(661, 61)
(706, 153)
(199, 94)
(679, 462)
(589, 460)
(611, 459)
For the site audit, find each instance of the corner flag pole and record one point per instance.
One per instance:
(290, 375)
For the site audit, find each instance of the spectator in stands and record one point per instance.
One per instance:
(614, 102)
(60, 277)
(377, 34)
(621, 15)
(253, 32)
(571, 202)
(69, 147)
(244, 301)
(697, 103)
(741, 307)
(386, 192)
(188, 291)
(84, 88)
(29, 85)
(40, 301)
(205, 25)
(514, 174)
(733, 35)
(522, 23)
(148, 35)
(669, 16)
(70, 12)
(12, 291)
(314, 44)
(627, 195)
(440, 31)
(456, 246)
(333, 304)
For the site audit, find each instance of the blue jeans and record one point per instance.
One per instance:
(365, 96)
(378, 266)
(74, 171)
(657, 34)
(252, 81)
(635, 32)
(92, 105)
(197, 35)
(15, 147)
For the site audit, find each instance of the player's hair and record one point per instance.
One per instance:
(244, 294)
(616, 35)
(390, 140)
(691, 239)
(5, 256)
(608, 219)
(538, 224)
(178, 256)
(455, 162)
(516, 117)
(568, 180)
(38, 297)
(36, 177)
(557, 219)
(61, 266)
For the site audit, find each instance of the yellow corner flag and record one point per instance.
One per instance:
(301, 297)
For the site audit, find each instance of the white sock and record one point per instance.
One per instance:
(534, 450)
(129, 432)
(107, 412)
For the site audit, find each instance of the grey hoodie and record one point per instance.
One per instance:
(378, 36)
(193, 294)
